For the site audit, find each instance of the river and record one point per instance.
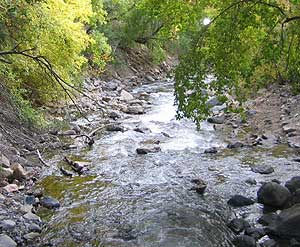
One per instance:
(127, 199)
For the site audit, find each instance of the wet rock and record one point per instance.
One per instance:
(293, 184)
(68, 132)
(211, 150)
(49, 202)
(255, 232)
(234, 145)
(287, 224)
(32, 216)
(200, 185)
(115, 128)
(216, 120)
(238, 225)
(244, 241)
(142, 130)
(150, 78)
(267, 219)
(296, 196)
(251, 181)
(11, 188)
(7, 225)
(125, 96)
(148, 150)
(262, 169)
(31, 236)
(18, 171)
(6, 241)
(135, 110)
(4, 161)
(5, 173)
(273, 195)
(240, 201)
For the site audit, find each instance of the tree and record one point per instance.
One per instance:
(247, 44)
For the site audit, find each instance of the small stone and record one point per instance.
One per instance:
(262, 169)
(125, 96)
(31, 236)
(31, 200)
(294, 141)
(216, 120)
(26, 208)
(251, 181)
(114, 128)
(150, 78)
(234, 145)
(7, 225)
(11, 188)
(5, 173)
(31, 216)
(244, 241)
(211, 150)
(4, 161)
(34, 228)
(135, 110)
(2, 197)
(255, 232)
(267, 219)
(69, 132)
(148, 150)
(293, 184)
(200, 185)
(6, 241)
(114, 115)
(19, 171)
(240, 201)
(49, 202)
(238, 225)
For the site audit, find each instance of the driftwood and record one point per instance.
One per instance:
(41, 158)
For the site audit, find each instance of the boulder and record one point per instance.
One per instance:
(32, 216)
(273, 195)
(6, 241)
(294, 141)
(7, 225)
(11, 188)
(287, 224)
(114, 128)
(31, 236)
(293, 184)
(267, 219)
(244, 241)
(262, 169)
(240, 201)
(214, 102)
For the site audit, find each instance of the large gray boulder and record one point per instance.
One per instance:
(287, 224)
(273, 195)
(293, 184)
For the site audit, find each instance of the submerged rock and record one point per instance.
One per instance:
(273, 195)
(148, 150)
(200, 185)
(234, 145)
(240, 201)
(211, 150)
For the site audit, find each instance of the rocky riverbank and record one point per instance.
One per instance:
(272, 120)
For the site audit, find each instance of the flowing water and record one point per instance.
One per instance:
(128, 199)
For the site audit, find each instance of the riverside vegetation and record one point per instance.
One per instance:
(93, 57)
